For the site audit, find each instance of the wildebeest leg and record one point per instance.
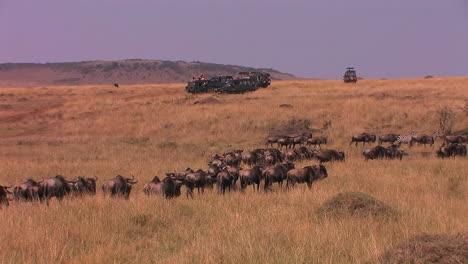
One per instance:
(309, 184)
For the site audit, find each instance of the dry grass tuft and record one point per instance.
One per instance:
(428, 248)
(355, 204)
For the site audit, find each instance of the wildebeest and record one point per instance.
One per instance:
(329, 155)
(394, 153)
(317, 141)
(272, 140)
(452, 150)
(424, 139)
(168, 187)
(285, 141)
(83, 185)
(250, 177)
(30, 190)
(193, 180)
(307, 175)
(377, 152)
(56, 187)
(4, 200)
(364, 138)
(119, 186)
(116, 85)
(455, 139)
(276, 174)
(224, 181)
(390, 138)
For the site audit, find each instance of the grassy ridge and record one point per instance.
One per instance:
(146, 130)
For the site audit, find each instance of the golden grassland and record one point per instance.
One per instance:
(146, 130)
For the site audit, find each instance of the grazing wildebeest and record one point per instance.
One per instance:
(389, 138)
(250, 177)
(30, 190)
(329, 155)
(364, 138)
(276, 174)
(307, 175)
(377, 152)
(56, 187)
(317, 141)
(452, 150)
(119, 186)
(193, 180)
(224, 181)
(424, 139)
(83, 185)
(4, 200)
(168, 187)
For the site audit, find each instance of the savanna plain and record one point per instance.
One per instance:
(147, 130)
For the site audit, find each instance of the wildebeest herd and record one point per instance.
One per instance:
(268, 165)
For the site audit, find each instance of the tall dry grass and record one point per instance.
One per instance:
(146, 130)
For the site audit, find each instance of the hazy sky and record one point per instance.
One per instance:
(309, 38)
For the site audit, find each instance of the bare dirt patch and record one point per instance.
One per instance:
(291, 127)
(355, 204)
(429, 248)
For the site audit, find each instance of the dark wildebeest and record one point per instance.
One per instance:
(119, 186)
(285, 141)
(377, 152)
(168, 187)
(329, 155)
(393, 152)
(56, 187)
(232, 159)
(308, 175)
(194, 180)
(389, 138)
(252, 158)
(424, 139)
(28, 191)
(4, 200)
(116, 85)
(234, 172)
(211, 174)
(272, 140)
(82, 186)
(250, 177)
(224, 181)
(364, 138)
(455, 139)
(452, 150)
(276, 174)
(317, 141)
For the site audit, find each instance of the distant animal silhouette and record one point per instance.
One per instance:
(116, 85)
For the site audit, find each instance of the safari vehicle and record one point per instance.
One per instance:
(198, 86)
(263, 78)
(350, 75)
(205, 86)
(240, 85)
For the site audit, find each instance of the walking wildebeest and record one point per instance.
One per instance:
(224, 181)
(56, 187)
(193, 180)
(30, 190)
(364, 138)
(390, 138)
(4, 200)
(317, 141)
(276, 174)
(82, 186)
(329, 155)
(307, 175)
(424, 139)
(250, 177)
(168, 187)
(119, 186)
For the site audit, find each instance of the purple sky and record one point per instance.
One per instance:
(316, 39)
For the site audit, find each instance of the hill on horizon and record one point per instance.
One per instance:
(132, 71)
